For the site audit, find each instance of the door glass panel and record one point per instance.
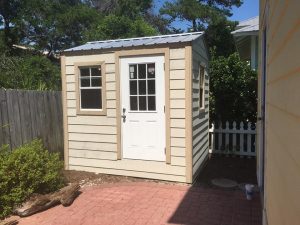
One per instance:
(132, 71)
(142, 71)
(133, 87)
(151, 86)
(133, 103)
(142, 87)
(151, 103)
(151, 70)
(142, 103)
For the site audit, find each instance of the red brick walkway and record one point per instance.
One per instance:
(151, 203)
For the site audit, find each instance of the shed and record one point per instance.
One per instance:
(137, 107)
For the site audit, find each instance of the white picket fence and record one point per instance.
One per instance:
(233, 139)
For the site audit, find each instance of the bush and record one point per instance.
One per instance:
(26, 170)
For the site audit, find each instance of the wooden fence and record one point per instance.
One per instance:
(233, 139)
(25, 115)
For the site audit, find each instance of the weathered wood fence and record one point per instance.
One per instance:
(233, 139)
(25, 115)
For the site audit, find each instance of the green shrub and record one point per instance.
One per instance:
(26, 170)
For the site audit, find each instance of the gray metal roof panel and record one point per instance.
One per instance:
(132, 42)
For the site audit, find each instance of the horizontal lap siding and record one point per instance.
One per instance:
(177, 106)
(282, 165)
(200, 120)
(93, 139)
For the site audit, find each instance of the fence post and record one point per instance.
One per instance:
(249, 139)
(212, 132)
(234, 148)
(220, 137)
(241, 138)
(227, 137)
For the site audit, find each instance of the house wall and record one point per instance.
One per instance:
(200, 118)
(92, 141)
(282, 149)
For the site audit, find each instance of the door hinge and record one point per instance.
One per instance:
(164, 109)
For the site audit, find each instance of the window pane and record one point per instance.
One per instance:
(142, 87)
(132, 71)
(133, 87)
(91, 99)
(151, 103)
(133, 103)
(151, 70)
(151, 86)
(96, 81)
(142, 71)
(142, 103)
(84, 72)
(96, 71)
(85, 82)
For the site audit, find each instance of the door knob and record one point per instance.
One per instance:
(124, 115)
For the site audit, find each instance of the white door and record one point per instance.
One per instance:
(142, 108)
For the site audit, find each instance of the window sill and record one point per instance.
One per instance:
(90, 113)
(202, 110)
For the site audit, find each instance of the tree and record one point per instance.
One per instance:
(9, 10)
(32, 72)
(112, 27)
(219, 38)
(233, 90)
(199, 12)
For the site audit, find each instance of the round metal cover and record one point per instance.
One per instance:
(224, 183)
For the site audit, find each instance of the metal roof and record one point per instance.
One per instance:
(247, 26)
(141, 41)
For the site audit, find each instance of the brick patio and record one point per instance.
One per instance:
(153, 203)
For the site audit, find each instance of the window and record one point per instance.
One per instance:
(201, 86)
(142, 87)
(90, 85)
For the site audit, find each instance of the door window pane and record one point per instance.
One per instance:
(133, 71)
(151, 70)
(151, 103)
(142, 87)
(151, 86)
(133, 103)
(142, 71)
(142, 103)
(133, 87)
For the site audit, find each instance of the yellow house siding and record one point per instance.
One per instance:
(282, 150)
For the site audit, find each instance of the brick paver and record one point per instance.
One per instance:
(152, 203)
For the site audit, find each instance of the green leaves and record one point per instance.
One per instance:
(26, 170)
(28, 72)
(233, 90)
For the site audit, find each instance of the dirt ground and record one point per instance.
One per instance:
(239, 169)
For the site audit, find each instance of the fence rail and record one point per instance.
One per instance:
(25, 115)
(233, 139)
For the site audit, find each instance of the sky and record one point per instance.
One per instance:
(249, 9)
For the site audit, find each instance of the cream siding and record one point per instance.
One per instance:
(282, 151)
(200, 120)
(93, 139)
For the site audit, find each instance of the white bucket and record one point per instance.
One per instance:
(249, 191)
